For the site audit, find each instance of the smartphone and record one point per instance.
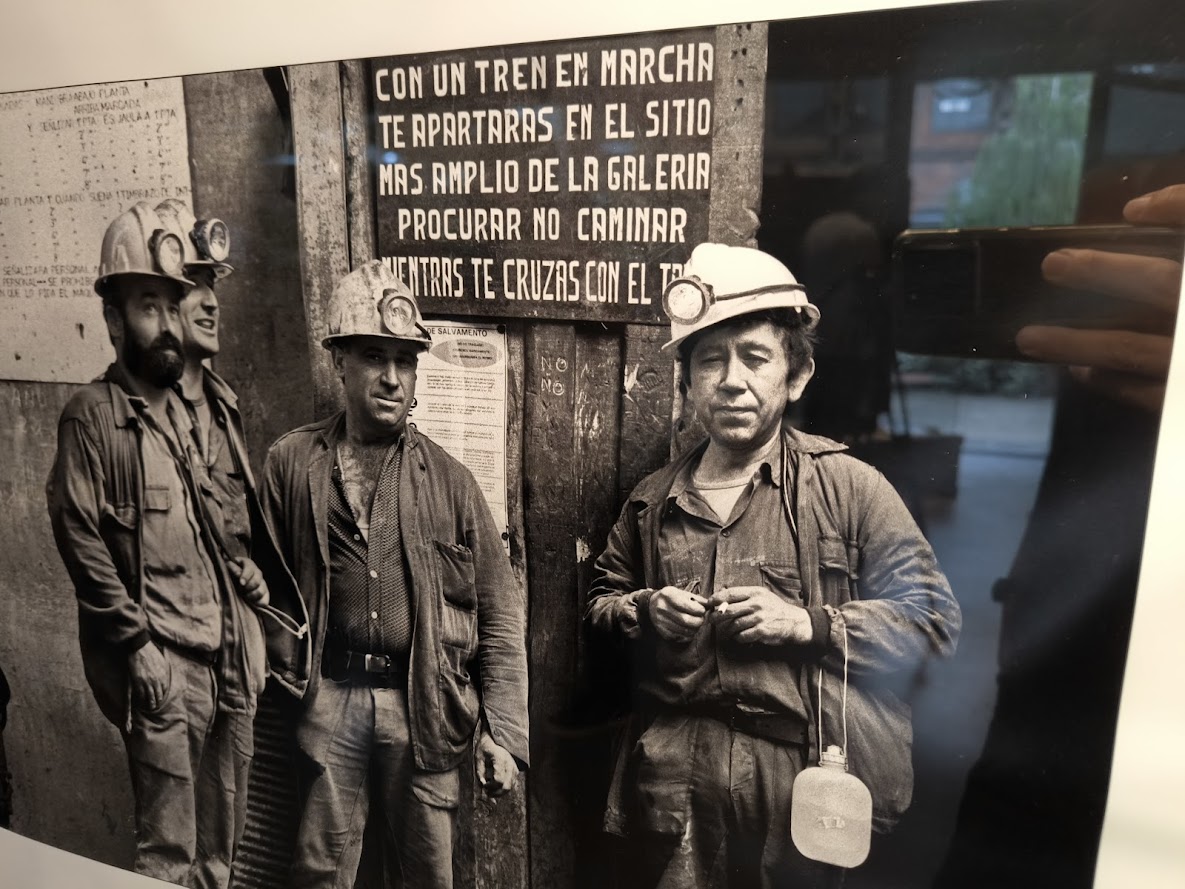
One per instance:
(967, 292)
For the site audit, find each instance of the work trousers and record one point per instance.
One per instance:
(189, 763)
(355, 739)
(714, 809)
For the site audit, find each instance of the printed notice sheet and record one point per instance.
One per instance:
(71, 160)
(461, 403)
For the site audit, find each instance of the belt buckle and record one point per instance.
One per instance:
(377, 663)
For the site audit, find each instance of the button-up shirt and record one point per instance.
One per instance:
(228, 505)
(180, 594)
(700, 552)
(370, 600)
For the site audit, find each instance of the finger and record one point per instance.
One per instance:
(687, 622)
(1143, 354)
(728, 596)
(1152, 280)
(1142, 392)
(734, 609)
(1164, 207)
(744, 622)
(236, 568)
(689, 606)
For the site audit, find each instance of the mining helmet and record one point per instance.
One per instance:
(371, 301)
(207, 241)
(720, 282)
(138, 242)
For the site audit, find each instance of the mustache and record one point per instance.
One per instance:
(163, 342)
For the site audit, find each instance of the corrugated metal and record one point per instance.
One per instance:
(265, 852)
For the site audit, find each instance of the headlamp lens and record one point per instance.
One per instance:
(168, 252)
(686, 300)
(398, 313)
(212, 238)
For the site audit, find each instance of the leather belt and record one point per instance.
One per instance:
(779, 727)
(378, 670)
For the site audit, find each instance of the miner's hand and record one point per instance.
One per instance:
(754, 614)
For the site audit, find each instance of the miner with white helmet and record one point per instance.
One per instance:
(747, 578)
(168, 640)
(409, 589)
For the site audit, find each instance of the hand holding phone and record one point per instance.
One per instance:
(1129, 365)
(968, 293)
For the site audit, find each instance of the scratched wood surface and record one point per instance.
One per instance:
(551, 528)
(498, 829)
(320, 210)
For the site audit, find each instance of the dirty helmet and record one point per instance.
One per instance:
(720, 282)
(139, 242)
(206, 241)
(371, 301)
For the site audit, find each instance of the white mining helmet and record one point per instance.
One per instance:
(138, 242)
(207, 241)
(720, 282)
(371, 301)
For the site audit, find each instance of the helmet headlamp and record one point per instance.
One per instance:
(212, 239)
(688, 299)
(168, 252)
(398, 313)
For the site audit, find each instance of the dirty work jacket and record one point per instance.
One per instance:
(95, 495)
(860, 555)
(469, 611)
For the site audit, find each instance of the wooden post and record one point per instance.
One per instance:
(742, 53)
(550, 376)
(359, 176)
(320, 210)
(738, 133)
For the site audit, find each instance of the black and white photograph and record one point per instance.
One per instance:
(705, 456)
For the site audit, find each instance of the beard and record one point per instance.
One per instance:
(160, 363)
